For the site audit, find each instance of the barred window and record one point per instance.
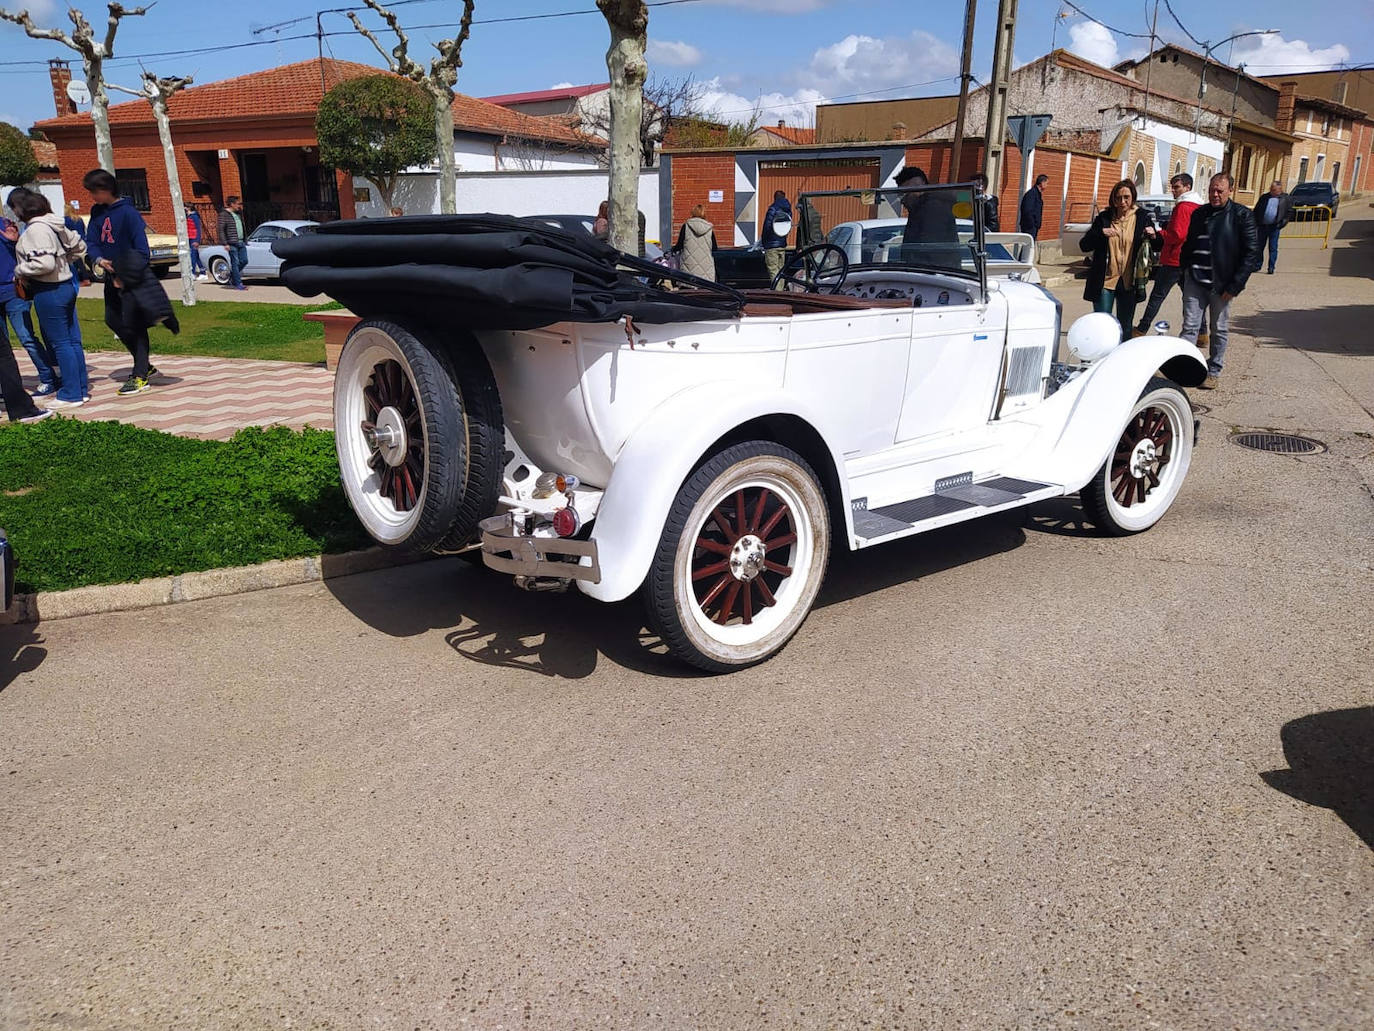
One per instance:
(133, 183)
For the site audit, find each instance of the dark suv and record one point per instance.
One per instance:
(1314, 193)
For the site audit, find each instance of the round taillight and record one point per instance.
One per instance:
(565, 522)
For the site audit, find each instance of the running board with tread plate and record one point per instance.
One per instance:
(954, 504)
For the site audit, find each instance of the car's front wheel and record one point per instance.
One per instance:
(1145, 471)
(741, 557)
(219, 270)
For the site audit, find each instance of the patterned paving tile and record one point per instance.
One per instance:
(206, 397)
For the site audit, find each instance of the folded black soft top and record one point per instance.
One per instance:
(488, 272)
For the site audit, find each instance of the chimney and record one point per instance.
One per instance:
(782, 123)
(1283, 121)
(61, 73)
(898, 131)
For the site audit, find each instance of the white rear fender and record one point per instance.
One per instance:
(1081, 422)
(663, 451)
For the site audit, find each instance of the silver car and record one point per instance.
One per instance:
(262, 263)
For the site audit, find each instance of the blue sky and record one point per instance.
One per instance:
(783, 55)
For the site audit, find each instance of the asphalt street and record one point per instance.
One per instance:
(1010, 774)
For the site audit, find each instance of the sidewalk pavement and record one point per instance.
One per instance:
(261, 291)
(212, 398)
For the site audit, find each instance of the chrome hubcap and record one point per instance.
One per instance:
(1143, 458)
(388, 435)
(746, 557)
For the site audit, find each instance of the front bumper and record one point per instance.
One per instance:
(508, 547)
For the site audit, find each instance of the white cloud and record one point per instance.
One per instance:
(1274, 55)
(798, 108)
(675, 54)
(1094, 43)
(869, 65)
(563, 85)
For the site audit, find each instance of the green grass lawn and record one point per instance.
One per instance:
(101, 502)
(219, 329)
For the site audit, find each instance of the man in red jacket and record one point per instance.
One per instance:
(1169, 275)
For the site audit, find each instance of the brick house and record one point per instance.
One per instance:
(254, 136)
(1333, 140)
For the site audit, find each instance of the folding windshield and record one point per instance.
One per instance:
(925, 228)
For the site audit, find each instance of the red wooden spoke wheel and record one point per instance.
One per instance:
(1143, 451)
(742, 553)
(393, 429)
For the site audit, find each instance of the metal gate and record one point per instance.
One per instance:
(797, 177)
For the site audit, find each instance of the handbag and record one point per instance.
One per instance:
(21, 288)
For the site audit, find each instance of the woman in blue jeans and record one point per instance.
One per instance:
(44, 255)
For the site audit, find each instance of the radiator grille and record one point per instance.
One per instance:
(1024, 366)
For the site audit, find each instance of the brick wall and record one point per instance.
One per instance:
(694, 177)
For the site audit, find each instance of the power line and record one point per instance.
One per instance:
(1109, 28)
(1170, 8)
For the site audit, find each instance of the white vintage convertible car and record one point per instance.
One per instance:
(543, 397)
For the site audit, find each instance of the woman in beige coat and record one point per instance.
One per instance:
(696, 245)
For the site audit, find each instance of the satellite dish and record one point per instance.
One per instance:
(78, 92)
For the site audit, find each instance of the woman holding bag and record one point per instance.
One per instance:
(45, 252)
(1119, 239)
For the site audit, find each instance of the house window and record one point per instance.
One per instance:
(321, 189)
(1302, 170)
(1336, 174)
(1139, 176)
(1321, 164)
(1245, 167)
(133, 183)
(1178, 167)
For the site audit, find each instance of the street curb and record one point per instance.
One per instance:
(211, 583)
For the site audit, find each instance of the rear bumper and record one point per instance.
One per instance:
(508, 548)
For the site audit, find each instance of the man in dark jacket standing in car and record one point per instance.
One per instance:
(1221, 251)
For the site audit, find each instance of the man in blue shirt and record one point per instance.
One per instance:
(18, 314)
(116, 229)
(1272, 212)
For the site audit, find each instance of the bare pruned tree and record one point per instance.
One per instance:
(438, 82)
(157, 92)
(628, 21)
(666, 102)
(94, 54)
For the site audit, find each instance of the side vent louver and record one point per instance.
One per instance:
(1024, 366)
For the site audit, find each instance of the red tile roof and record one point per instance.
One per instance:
(45, 152)
(561, 93)
(790, 133)
(296, 89)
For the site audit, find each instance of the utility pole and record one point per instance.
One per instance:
(970, 11)
(995, 136)
(1150, 59)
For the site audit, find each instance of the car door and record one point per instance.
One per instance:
(261, 260)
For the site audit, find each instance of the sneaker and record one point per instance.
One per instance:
(45, 390)
(132, 385)
(240, 288)
(152, 371)
(1210, 383)
(38, 416)
(57, 403)
(201, 278)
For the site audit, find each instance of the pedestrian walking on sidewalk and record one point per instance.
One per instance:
(44, 255)
(1120, 240)
(195, 232)
(1273, 211)
(231, 235)
(117, 241)
(1221, 251)
(1168, 275)
(18, 315)
(1033, 210)
(777, 224)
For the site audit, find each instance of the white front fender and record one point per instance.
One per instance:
(1082, 421)
(658, 458)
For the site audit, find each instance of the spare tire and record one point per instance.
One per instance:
(484, 442)
(400, 435)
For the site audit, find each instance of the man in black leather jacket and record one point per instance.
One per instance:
(1221, 251)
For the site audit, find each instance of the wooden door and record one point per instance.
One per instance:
(797, 177)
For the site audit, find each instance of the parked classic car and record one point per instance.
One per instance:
(162, 252)
(708, 448)
(262, 263)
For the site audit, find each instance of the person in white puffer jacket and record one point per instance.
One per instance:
(44, 254)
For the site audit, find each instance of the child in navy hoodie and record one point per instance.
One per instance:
(116, 235)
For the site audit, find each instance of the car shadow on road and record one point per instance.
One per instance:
(487, 619)
(1342, 330)
(1331, 764)
(21, 651)
(1062, 517)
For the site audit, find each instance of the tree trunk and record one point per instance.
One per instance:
(386, 188)
(628, 22)
(164, 133)
(100, 116)
(443, 135)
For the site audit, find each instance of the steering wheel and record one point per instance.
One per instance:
(819, 269)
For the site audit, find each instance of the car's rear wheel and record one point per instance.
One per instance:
(741, 558)
(1145, 471)
(219, 270)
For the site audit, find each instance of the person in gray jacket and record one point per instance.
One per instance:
(231, 235)
(696, 243)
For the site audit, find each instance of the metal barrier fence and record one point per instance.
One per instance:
(1309, 222)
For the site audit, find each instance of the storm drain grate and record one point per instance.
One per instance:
(1278, 443)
